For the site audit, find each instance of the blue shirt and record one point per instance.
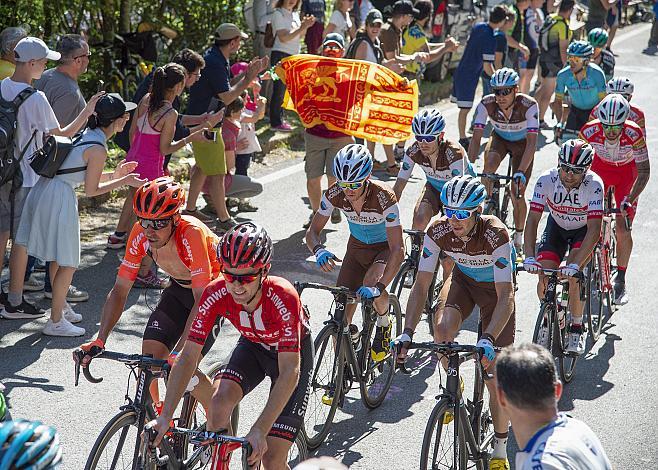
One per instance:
(585, 94)
(214, 80)
(480, 48)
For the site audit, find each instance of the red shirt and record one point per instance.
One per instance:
(630, 147)
(230, 133)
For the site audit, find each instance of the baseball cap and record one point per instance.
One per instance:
(31, 48)
(112, 106)
(334, 38)
(374, 16)
(404, 7)
(228, 31)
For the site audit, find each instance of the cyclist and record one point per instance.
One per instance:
(480, 247)
(584, 82)
(29, 444)
(622, 162)
(375, 248)
(574, 197)
(275, 341)
(185, 249)
(625, 88)
(598, 39)
(515, 129)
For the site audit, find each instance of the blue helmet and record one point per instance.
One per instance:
(504, 78)
(463, 192)
(352, 163)
(580, 49)
(428, 122)
(29, 444)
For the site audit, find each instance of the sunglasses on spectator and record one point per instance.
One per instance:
(88, 55)
(240, 278)
(459, 214)
(503, 91)
(614, 128)
(332, 47)
(572, 169)
(426, 138)
(353, 186)
(155, 224)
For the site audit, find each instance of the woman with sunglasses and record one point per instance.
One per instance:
(275, 342)
(374, 250)
(480, 246)
(513, 116)
(622, 162)
(573, 194)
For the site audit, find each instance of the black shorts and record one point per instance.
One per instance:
(251, 362)
(555, 241)
(167, 322)
(550, 69)
(577, 118)
(531, 63)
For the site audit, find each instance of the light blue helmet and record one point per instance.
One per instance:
(428, 122)
(352, 163)
(29, 444)
(463, 192)
(504, 78)
(580, 49)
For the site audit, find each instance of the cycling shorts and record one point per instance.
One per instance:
(463, 294)
(251, 362)
(577, 118)
(358, 259)
(432, 197)
(502, 147)
(167, 322)
(619, 177)
(531, 63)
(555, 241)
(550, 69)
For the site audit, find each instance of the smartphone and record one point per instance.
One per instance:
(210, 135)
(101, 86)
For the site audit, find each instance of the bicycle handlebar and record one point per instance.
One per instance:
(495, 176)
(579, 275)
(628, 223)
(136, 360)
(206, 437)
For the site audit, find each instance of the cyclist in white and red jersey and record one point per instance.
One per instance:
(574, 197)
(275, 341)
(625, 88)
(622, 162)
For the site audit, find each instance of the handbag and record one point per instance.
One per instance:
(48, 160)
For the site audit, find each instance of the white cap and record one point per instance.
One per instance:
(31, 48)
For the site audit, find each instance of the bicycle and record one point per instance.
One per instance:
(340, 362)
(472, 425)
(497, 204)
(406, 276)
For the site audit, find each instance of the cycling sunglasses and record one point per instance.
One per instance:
(240, 278)
(459, 214)
(576, 59)
(155, 224)
(572, 169)
(426, 138)
(353, 186)
(614, 128)
(503, 91)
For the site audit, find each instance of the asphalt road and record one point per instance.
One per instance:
(614, 391)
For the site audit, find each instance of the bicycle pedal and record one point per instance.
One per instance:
(327, 400)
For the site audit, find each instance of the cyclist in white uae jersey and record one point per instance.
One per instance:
(574, 197)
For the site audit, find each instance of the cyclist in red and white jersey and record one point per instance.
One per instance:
(275, 342)
(574, 197)
(622, 162)
(625, 88)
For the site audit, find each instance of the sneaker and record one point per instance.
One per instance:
(21, 312)
(283, 127)
(73, 295)
(393, 170)
(542, 337)
(498, 463)
(355, 334)
(226, 225)
(232, 202)
(62, 328)
(621, 297)
(378, 166)
(465, 142)
(244, 205)
(199, 215)
(576, 340)
(69, 314)
(380, 344)
(150, 281)
(307, 224)
(335, 216)
(114, 242)
(33, 284)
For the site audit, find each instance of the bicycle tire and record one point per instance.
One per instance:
(314, 435)
(566, 362)
(397, 286)
(433, 430)
(506, 209)
(386, 367)
(596, 299)
(432, 304)
(299, 450)
(544, 318)
(120, 422)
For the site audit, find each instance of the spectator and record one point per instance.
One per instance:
(528, 392)
(214, 84)
(35, 119)
(340, 21)
(553, 58)
(363, 8)
(288, 31)
(315, 33)
(500, 56)
(478, 56)
(9, 37)
(516, 35)
(58, 241)
(612, 21)
(653, 36)
(598, 13)
(534, 19)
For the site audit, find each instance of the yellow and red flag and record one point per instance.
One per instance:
(359, 98)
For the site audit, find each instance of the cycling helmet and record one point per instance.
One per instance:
(580, 49)
(621, 85)
(247, 245)
(598, 37)
(463, 192)
(613, 109)
(29, 444)
(576, 153)
(428, 122)
(352, 163)
(158, 199)
(504, 78)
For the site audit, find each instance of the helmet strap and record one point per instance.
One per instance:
(261, 277)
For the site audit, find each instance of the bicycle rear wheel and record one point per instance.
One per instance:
(543, 334)
(299, 450)
(115, 447)
(438, 451)
(598, 300)
(506, 210)
(403, 281)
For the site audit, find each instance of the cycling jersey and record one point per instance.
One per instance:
(278, 323)
(569, 208)
(451, 161)
(379, 211)
(636, 115)
(485, 257)
(523, 120)
(607, 63)
(563, 443)
(584, 94)
(195, 245)
(630, 146)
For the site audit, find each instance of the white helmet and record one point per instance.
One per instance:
(621, 85)
(576, 153)
(613, 109)
(463, 192)
(428, 122)
(352, 163)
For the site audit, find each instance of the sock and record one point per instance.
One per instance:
(500, 446)
(119, 234)
(576, 321)
(621, 274)
(383, 320)
(15, 299)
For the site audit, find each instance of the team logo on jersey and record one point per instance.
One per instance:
(455, 172)
(426, 253)
(323, 206)
(405, 166)
(501, 263)
(391, 217)
(598, 190)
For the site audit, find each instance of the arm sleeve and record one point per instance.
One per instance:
(502, 256)
(392, 215)
(595, 203)
(209, 308)
(407, 167)
(538, 202)
(430, 257)
(532, 118)
(196, 248)
(325, 205)
(481, 116)
(290, 334)
(135, 252)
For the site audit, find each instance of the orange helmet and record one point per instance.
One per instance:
(158, 199)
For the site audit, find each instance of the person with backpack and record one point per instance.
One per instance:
(25, 117)
(50, 226)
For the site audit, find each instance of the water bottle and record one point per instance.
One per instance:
(564, 304)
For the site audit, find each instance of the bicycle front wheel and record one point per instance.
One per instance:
(566, 361)
(506, 209)
(438, 451)
(543, 334)
(598, 299)
(299, 450)
(403, 281)
(115, 448)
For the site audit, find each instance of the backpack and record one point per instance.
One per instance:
(10, 167)
(48, 160)
(544, 31)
